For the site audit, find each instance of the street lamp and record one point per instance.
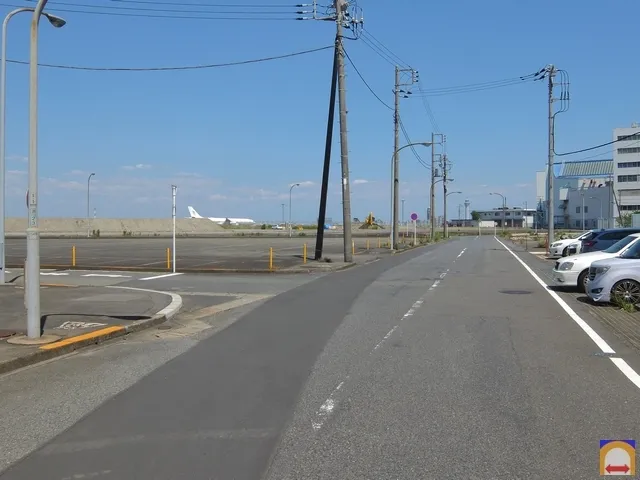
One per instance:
(504, 209)
(32, 273)
(291, 190)
(601, 217)
(395, 194)
(56, 22)
(89, 203)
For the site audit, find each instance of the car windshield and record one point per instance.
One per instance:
(620, 244)
(632, 252)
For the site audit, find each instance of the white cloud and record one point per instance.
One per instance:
(139, 166)
(16, 172)
(360, 181)
(307, 183)
(523, 185)
(218, 197)
(17, 158)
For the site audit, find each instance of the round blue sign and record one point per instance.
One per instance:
(414, 216)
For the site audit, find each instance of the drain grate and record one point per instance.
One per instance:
(606, 354)
(515, 292)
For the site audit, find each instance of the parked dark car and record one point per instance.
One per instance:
(601, 239)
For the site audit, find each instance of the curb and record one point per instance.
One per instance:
(68, 345)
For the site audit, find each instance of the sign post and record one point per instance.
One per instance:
(414, 218)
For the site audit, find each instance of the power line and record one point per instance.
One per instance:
(166, 10)
(412, 147)
(365, 82)
(620, 139)
(188, 4)
(152, 15)
(185, 67)
(373, 39)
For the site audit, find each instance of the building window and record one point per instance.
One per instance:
(627, 178)
(577, 209)
(506, 214)
(577, 223)
(629, 208)
(586, 209)
(628, 164)
(629, 138)
(629, 150)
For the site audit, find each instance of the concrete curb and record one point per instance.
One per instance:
(57, 349)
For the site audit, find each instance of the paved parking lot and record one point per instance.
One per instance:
(625, 325)
(207, 254)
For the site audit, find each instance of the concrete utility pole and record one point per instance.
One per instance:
(89, 204)
(445, 168)
(550, 72)
(395, 183)
(434, 174)
(341, 7)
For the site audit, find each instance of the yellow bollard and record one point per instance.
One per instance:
(367, 244)
(304, 253)
(353, 247)
(271, 258)
(168, 258)
(73, 255)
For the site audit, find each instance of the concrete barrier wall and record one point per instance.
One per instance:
(114, 227)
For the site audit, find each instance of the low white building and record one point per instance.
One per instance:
(512, 217)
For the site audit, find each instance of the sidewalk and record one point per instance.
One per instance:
(76, 316)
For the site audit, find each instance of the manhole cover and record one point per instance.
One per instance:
(164, 327)
(515, 292)
(605, 354)
(7, 333)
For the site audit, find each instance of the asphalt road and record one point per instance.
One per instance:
(444, 363)
(245, 253)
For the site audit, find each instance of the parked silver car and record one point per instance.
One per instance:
(616, 278)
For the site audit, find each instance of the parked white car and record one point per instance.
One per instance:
(573, 271)
(560, 248)
(616, 277)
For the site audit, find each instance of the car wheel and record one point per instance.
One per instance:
(582, 281)
(626, 290)
(565, 251)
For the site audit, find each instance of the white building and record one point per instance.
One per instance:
(513, 217)
(626, 158)
(575, 183)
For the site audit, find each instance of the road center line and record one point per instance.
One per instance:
(460, 254)
(622, 365)
(326, 409)
(161, 276)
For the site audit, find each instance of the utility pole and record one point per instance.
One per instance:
(283, 220)
(396, 148)
(445, 168)
(434, 174)
(343, 19)
(341, 6)
(174, 190)
(549, 72)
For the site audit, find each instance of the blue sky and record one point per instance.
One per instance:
(234, 138)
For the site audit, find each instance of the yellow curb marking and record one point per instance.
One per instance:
(80, 338)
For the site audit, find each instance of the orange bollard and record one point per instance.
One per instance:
(271, 258)
(73, 256)
(168, 258)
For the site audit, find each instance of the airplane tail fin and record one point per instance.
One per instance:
(193, 213)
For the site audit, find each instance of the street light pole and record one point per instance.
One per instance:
(582, 195)
(32, 273)
(88, 204)
(291, 190)
(504, 209)
(174, 190)
(601, 225)
(56, 22)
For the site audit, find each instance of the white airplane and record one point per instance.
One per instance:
(221, 220)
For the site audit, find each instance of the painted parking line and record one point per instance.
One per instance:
(161, 276)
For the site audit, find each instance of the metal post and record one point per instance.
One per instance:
(88, 205)
(402, 215)
(173, 229)
(3, 106)
(396, 162)
(290, 225)
(344, 147)
(582, 194)
(550, 203)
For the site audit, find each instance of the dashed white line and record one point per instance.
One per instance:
(460, 254)
(326, 409)
(161, 276)
(622, 365)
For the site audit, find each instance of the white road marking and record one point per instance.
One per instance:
(161, 276)
(109, 275)
(326, 409)
(57, 274)
(460, 254)
(622, 365)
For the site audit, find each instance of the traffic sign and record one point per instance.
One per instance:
(618, 457)
(414, 216)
